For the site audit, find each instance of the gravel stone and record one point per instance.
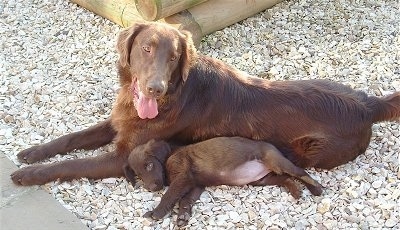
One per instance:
(58, 76)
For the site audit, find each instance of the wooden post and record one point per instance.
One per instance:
(153, 10)
(200, 20)
(217, 14)
(122, 12)
(214, 15)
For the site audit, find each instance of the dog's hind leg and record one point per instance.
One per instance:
(283, 180)
(329, 151)
(276, 162)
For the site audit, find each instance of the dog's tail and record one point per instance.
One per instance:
(385, 108)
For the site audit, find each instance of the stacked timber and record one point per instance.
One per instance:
(155, 9)
(200, 17)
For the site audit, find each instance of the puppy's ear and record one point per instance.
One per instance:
(125, 41)
(188, 56)
(162, 151)
(129, 174)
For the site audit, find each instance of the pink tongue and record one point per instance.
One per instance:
(146, 107)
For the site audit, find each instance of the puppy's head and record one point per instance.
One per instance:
(147, 162)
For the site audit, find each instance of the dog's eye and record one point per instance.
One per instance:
(146, 49)
(149, 166)
(173, 58)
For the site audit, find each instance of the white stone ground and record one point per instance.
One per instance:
(58, 76)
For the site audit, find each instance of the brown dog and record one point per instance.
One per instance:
(170, 93)
(217, 161)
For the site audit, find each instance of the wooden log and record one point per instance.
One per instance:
(153, 10)
(122, 12)
(217, 14)
(200, 20)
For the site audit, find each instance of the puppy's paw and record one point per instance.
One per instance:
(315, 190)
(292, 187)
(183, 219)
(312, 185)
(156, 214)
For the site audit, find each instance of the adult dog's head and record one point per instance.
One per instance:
(157, 56)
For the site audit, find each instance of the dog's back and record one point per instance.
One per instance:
(218, 100)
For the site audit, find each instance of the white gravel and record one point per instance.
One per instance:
(58, 76)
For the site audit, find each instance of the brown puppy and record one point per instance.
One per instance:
(217, 161)
(170, 93)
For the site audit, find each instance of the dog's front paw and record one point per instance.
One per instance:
(31, 175)
(32, 154)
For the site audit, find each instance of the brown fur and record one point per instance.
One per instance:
(216, 161)
(314, 123)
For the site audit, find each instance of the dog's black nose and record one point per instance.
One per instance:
(155, 89)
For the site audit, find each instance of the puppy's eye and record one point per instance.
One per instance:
(173, 58)
(149, 166)
(146, 49)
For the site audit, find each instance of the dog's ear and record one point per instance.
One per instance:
(125, 41)
(188, 56)
(162, 151)
(129, 173)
